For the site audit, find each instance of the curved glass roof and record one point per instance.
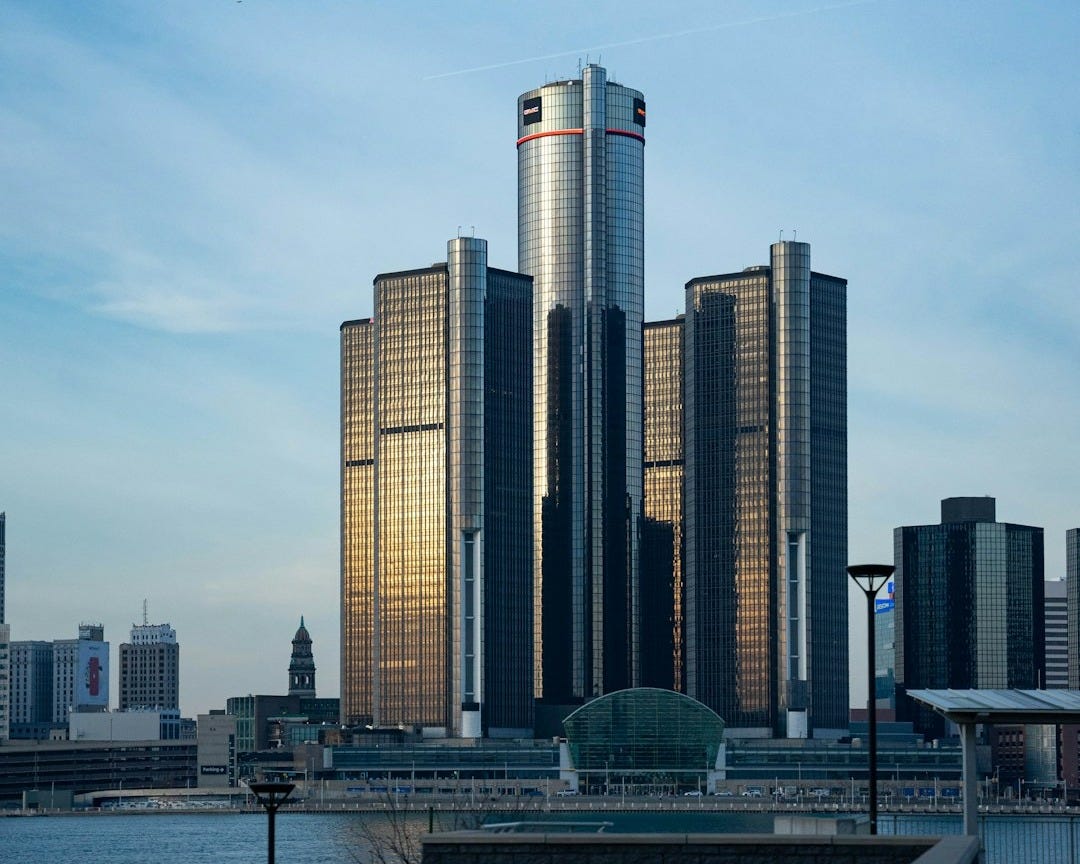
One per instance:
(644, 729)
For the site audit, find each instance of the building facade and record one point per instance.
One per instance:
(436, 494)
(663, 646)
(5, 682)
(581, 237)
(1072, 590)
(969, 605)
(31, 689)
(150, 668)
(3, 544)
(80, 673)
(765, 485)
(1057, 634)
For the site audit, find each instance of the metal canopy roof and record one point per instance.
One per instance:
(1003, 706)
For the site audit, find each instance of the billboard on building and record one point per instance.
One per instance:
(92, 675)
(887, 603)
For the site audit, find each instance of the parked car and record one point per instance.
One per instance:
(693, 793)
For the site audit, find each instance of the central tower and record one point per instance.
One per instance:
(581, 237)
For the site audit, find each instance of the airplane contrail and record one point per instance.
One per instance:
(656, 38)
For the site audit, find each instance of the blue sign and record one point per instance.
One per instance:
(950, 792)
(883, 606)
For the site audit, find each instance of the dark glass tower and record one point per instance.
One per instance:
(580, 236)
(969, 606)
(765, 513)
(436, 499)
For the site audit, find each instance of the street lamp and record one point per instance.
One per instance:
(271, 796)
(870, 578)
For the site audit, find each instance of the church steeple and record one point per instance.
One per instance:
(302, 664)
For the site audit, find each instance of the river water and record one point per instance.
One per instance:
(343, 838)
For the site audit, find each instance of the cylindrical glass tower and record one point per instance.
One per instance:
(581, 237)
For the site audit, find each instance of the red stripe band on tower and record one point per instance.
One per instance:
(552, 132)
(627, 133)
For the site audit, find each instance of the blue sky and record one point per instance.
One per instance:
(195, 195)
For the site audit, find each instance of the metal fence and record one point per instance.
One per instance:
(1006, 838)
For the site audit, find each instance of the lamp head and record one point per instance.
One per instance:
(870, 577)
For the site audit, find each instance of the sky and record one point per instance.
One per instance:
(196, 195)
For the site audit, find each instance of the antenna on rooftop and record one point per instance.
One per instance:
(781, 235)
(794, 233)
(145, 620)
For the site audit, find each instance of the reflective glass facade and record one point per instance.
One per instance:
(970, 611)
(580, 236)
(644, 730)
(436, 496)
(765, 519)
(662, 642)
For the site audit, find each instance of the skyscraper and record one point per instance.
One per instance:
(1072, 590)
(302, 664)
(150, 668)
(765, 512)
(436, 493)
(80, 673)
(662, 594)
(581, 237)
(1057, 635)
(31, 689)
(969, 606)
(3, 543)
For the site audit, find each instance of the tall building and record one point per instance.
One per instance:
(302, 664)
(1072, 590)
(580, 152)
(885, 647)
(5, 682)
(969, 604)
(3, 544)
(764, 524)
(1057, 635)
(31, 689)
(80, 673)
(436, 494)
(662, 646)
(150, 668)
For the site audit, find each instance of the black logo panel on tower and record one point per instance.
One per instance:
(639, 112)
(530, 111)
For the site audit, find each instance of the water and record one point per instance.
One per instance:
(344, 838)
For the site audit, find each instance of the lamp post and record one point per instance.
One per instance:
(271, 796)
(870, 578)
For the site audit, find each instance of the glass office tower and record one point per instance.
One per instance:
(662, 643)
(969, 606)
(580, 236)
(765, 518)
(436, 497)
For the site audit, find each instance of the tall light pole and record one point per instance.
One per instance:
(271, 796)
(870, 578)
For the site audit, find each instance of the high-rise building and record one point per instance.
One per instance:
(436, 494)
(5, 682)
(1072, 590)
(3, 544)
(764, 478)
(662, 646)
(31, 689)
(80, 673)
(969, 605)
(885, 647)
(580, 151)
(302, 664)
(150, 668)
(1057, 635)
